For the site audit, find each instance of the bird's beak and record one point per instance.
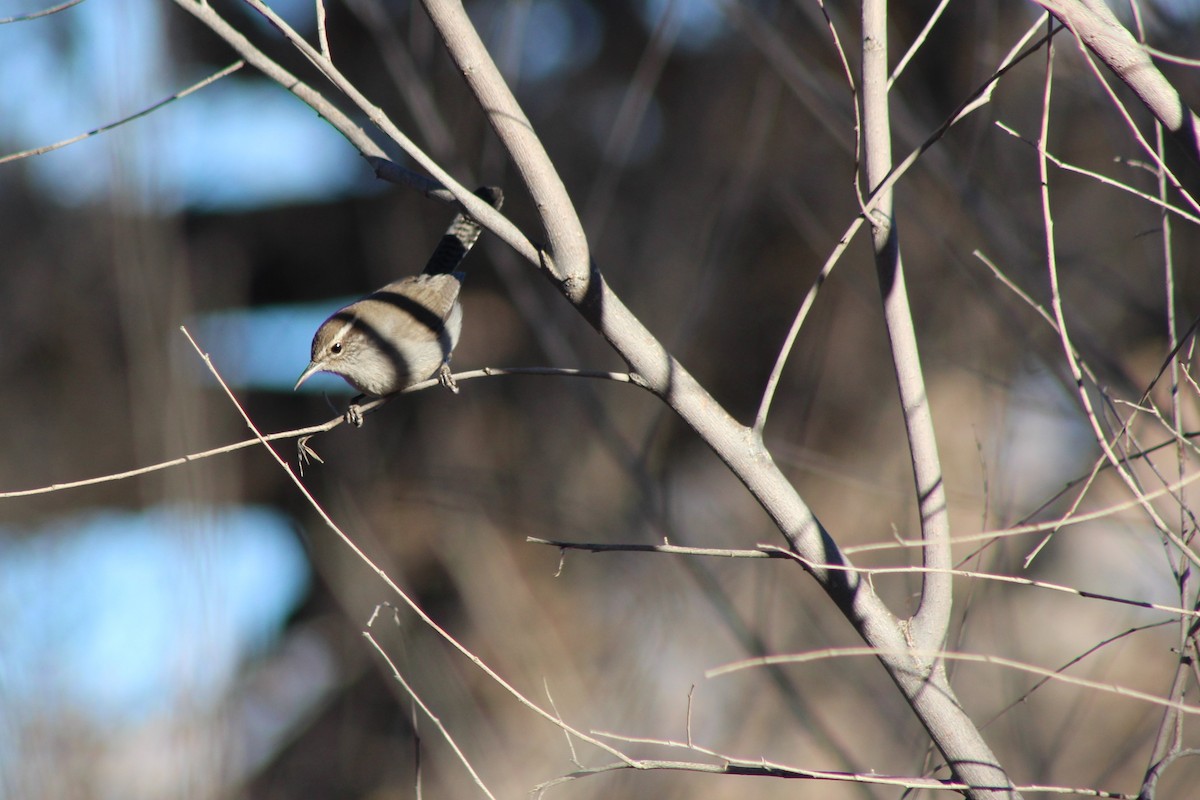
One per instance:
(312, 368)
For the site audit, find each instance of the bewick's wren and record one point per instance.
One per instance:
(405, 332)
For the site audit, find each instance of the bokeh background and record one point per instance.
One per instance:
(197, 632)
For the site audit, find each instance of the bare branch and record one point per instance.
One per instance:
(788, 771)
(1094, 23)
(1039, 527)
(979, 98)
(1161, 201)
(1085, 399)
(195, 87)
(774, 551)
(392, 585)
(442, 185)
(567, 256)
(931, 622)
(43, 13)
(308, 432)
(437, 723)
(670, 549)
(977, 658)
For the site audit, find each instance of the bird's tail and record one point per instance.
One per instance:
(460, 236)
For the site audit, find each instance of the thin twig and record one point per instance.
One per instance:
(392, 585)
(324, 427)
(1054, 587)
(1161, 201)
(1024, 696)
(1103, 461)
(977, 99)
(1172, 57)
(977, 658)
(1056, 304)
(1133, 127)
(1037, 527)
(917, 42)
(43, 13)
(1168, 738)
(734, 765)
(760, 767)
(670, 549)
(442, 184)
(774, 551)
(437, 722)
(195, 87)
(174, 462)
(570, 742)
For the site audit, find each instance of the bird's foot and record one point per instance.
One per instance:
(354, 415)
(446, 378)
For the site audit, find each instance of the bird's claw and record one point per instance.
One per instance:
(446, 378)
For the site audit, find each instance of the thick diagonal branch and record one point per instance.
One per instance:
(1098, 28)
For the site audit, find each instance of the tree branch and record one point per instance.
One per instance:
(1098, 28)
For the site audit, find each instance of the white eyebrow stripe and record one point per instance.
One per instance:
(346, 326)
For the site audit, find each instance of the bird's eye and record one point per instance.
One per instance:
(336, 348)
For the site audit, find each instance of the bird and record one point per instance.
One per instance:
(405, 332)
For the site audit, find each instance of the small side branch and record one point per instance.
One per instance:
(45, 12)
(670, 549)
(195, 87)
